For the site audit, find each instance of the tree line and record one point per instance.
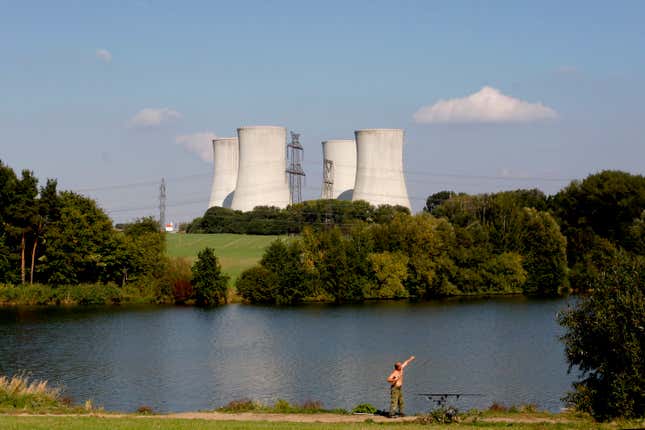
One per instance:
(61, 247)
(315, 214)
(518, 241)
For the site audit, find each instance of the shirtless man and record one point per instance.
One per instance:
(396, 384)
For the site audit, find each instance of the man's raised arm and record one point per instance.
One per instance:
(406, 362)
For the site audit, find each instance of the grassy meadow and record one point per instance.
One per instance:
(236, 252)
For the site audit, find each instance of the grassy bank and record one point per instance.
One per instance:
(166, 423)
(33, 404)
(236, 252)
(82, 294)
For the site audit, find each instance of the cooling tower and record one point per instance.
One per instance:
(379, 167)
(225, 156)
(261, 175)
(340, 183)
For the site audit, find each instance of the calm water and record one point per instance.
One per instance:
(177, 359)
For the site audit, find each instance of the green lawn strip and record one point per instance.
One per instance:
(145, 423)
(236, 252)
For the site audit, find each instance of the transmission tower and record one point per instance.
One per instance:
(162, 205)
(328, 179)
(294, 169)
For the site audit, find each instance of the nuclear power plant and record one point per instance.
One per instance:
(262, 165)
(339, 169)
(251, 170)
(225, 162)
(379, 167)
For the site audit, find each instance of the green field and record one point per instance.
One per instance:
(236, 252)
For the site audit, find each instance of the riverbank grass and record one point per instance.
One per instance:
(19, 393)
(279, 407)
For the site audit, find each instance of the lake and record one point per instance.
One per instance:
(182, 358)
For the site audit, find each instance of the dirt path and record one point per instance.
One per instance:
(292, 418)
(243, 416)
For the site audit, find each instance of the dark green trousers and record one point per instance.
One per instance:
(396, 400)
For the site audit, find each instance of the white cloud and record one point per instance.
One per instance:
(153, 117)
(198, 143)
(104, 55)
(486, 105)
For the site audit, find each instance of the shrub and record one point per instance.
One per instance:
(312, 405)
(172, 286)
(364, 408)
(498, 407)
(440, 415)
(605, 340)
(145, 410)
(242, 405)
(282, 406)
(21, 393)
(182, 290)
(89, 294)
(256, 285)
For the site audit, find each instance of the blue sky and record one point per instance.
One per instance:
(73, 75)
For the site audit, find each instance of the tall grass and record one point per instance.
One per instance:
(19, 392)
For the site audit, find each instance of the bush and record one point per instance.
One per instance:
(257, 285)
(21, 393)
(35, 294)
(498, 407)
(145, 410)
(89, 294)
(364, 408)
(81, 294)
(174, 285)
(605, 340)
(242, 405)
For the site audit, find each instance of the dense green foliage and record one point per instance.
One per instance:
(64, 238)
(605, 340)
(604, 212)
(60, 247)
(506, 242)
(315, 214)
(416, 256)
(208, 281)
(511, 222)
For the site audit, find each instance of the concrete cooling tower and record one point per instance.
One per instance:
(225, 157)
(261, 175)
(339, 184)
(379, 167)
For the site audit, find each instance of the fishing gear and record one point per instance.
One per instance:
(441, 399)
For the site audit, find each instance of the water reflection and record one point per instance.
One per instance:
(186, 359)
